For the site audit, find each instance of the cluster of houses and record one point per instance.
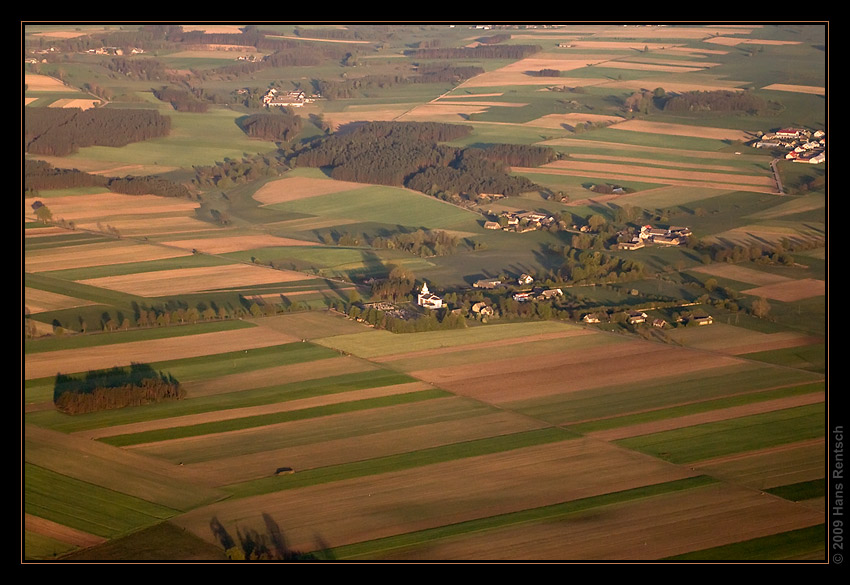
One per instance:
(292, 99)
(638, 317)
(520, 221)
(803, 146)
(670, 236)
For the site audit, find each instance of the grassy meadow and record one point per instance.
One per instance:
(520, 439)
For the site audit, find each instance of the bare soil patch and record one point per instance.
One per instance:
(67, 361)
(794, 290)
(660, 173)
(100, 206)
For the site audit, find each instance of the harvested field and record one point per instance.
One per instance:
(101, 254)
(683, 130)
(38, 301)
(83, 104)
(36, 82)
(645, 529)
(706, 417)
(100, 206)
(512, 380)
(294, 188)
(811, 89)
(773, 233)
(194, 280)
(228, 244)
(795, 290)
(392, 503)
(654, 162)
(732, 340)
(40, 365)
(741, 273)
(61, 533)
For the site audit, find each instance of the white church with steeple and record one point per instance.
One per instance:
(429, 300)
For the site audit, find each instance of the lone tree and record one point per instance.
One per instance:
(761, 307)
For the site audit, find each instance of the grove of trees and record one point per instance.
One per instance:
(114, 388)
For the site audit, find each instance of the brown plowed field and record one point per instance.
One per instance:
(387, 504)
(524, 378)
(646, 529)
(40, 365)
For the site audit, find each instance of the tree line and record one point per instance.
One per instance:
(41, 175)
(115, 387)
(62, 131)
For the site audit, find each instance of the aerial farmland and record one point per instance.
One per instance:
(425, 292)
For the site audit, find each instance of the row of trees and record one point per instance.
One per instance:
(62, 131)
(114, 388)
(41, 175)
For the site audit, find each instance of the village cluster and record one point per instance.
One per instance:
(670, 236)
(803, 146)
(520, 221)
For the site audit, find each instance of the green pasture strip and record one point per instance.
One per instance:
(759, 431)
(400, 462)
(32, 346)
(271, 418)
(696, 407)
(662, 392)
(39, 547)
(381, 343)
(804, 490)
(87, 507)
(257, 397)
(33, 244)
(804, 543)
(375, 548)
(807, 357)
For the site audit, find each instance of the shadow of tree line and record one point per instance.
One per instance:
(252, 545)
